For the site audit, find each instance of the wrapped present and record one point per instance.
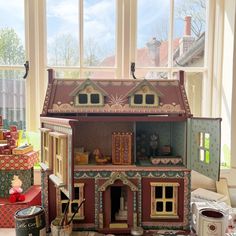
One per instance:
(13, 128)
(6, 133)
(8, 137)
(7, 209)
(15, 135)
(1, 134)
(22, 149)
(6, 151)
(12, 142)
(19, 162)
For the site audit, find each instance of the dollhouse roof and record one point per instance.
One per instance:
(60, 97)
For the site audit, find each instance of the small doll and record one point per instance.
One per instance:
(16, 190)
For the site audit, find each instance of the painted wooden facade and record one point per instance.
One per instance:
(148, 139)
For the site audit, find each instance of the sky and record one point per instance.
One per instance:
(99, 20)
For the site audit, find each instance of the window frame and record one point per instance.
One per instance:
(46, 155)
(80, 214)
(59, 155)
(164, 214)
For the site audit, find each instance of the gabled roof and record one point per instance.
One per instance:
(140, 85)
(84, 85)
(59, 97)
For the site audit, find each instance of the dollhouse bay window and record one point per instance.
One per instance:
(59, 153)
(164, 200)
(46, 142)
(73, 205)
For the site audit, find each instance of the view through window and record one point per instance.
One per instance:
(12, 58)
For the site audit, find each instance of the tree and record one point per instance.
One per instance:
(197, 10)
(64, 51)
(11, 48)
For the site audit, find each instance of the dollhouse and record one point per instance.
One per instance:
(127, 147)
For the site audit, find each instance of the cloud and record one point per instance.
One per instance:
(12, 16)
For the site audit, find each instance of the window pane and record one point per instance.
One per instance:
(74, 206)
(99, 32)
(149, 99)
(12, 98)
(159, 206)
(169, 206)
(95, 98)
(76, 192)
(158, 192)
(152, 33)
(83, 98)
(189, 32)
(169, 192)
(138, 99)
(12, 41)
(201, 155)
(194, 88)
(62, 32)
(207, 141)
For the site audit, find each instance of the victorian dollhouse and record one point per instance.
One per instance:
(127, 147)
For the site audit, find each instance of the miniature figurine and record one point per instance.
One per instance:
(16, 190)
(99, 157)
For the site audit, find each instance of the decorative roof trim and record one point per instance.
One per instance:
(144, 82)
(86, 83)
(118, 176)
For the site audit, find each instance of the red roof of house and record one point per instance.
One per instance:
(61, 97)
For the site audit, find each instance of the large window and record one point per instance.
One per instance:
(12, 58)
(100, 39)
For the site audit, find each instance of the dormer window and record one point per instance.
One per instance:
(145, 99)
(83, 98)
(138, 98)
(88, 99)
(150, 99)
(88, 94)
(144, 95)
(95, 99)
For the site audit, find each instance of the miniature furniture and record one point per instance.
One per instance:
(147, 129)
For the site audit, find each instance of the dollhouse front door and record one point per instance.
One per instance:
(118, 206)
(203, 142)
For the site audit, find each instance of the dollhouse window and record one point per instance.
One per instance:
(164, 200)
(46, 144)
(89, 99)
(144, 99)
(59, 150)
(138, 99)
(83, 98)
(79, 196)
(149, 99)
(204, 147)
(95, 99)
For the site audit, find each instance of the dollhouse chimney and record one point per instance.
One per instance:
(187, 40)
(154, 50)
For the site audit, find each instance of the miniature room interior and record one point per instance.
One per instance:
(117, 117)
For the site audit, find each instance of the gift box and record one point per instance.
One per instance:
(1, 134)
(7, 209)
(6, 133)
(13, 128)
(12, 142)
(15, 135)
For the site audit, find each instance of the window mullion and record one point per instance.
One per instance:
(119, 23)
(81, 35)
(170, 38)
